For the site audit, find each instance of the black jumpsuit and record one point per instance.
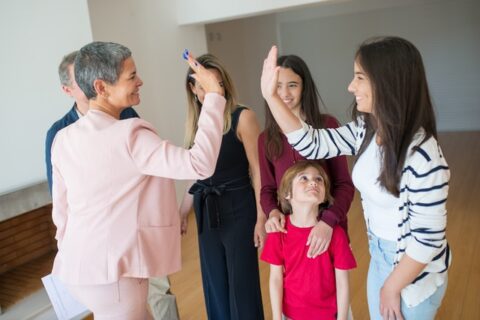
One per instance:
(225, 210)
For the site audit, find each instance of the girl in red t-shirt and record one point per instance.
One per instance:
(302, 287)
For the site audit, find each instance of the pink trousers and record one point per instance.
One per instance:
(122, 300)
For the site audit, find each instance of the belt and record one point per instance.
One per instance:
(209, 195)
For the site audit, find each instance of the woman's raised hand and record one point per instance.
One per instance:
(286, 120)
(205, 77)
(269, 77)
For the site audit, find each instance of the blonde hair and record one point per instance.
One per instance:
(285, 188)
(209, 61)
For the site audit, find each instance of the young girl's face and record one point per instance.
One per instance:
(200, 92)
(361, 88)
(289, 89)
(308, 186)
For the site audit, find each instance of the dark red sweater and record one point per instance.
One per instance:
(271, 173)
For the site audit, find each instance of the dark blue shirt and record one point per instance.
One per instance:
(67, 120)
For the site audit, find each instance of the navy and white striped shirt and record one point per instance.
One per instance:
(421, 205)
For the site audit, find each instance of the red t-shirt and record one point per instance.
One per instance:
(309, 287)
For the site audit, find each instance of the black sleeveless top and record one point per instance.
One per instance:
(231, 175)
(232, 161)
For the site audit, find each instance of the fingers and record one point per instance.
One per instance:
(319, 239)
(398, 315)
(270, 73)
(390, 312)
(271, 225)
(205, 77)
(258, 240)
(270, 63)
(282, 223)
(192, 62)
(273, 52)
(314, 248)
(261, 244)
(271, 60)
(183, 226)
(317, 246)
(275, 224)
(387, 313)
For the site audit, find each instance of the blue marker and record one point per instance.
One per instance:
(185, 54)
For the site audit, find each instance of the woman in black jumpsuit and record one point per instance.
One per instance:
(228, 218)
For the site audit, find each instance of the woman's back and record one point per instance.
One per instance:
(114, 196)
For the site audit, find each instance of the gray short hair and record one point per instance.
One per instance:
(63, 73)
(99, 60)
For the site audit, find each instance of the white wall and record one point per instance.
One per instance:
(191, 12)
(242, 45)
(34, 35)
(326, 37)
(446, 33)
(148, 28)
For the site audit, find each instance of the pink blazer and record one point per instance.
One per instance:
(114, 202)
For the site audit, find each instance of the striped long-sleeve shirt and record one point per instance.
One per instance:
(421, 205)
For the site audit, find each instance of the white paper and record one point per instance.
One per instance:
(65, 306)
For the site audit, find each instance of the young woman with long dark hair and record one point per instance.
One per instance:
(400, 172)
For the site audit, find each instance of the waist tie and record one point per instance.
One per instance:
(209, 196)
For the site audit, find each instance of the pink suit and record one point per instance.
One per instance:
(114, 202)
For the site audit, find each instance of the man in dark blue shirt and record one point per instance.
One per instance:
(162, 302)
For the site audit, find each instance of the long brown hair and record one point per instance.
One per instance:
(310, 106)
(401, 102)
(209, 61)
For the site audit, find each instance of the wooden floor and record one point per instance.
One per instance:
(462, 300)
(24, 280)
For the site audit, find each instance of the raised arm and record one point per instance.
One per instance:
(327, 143)
(157, 157)
(287, 121)
(311, 143)
(154, 156)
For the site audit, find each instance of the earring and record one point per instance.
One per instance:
(196, 98)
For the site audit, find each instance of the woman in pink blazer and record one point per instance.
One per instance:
(114, 202)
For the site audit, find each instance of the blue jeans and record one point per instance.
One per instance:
(382, 254)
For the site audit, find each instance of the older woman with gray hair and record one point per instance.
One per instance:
(114, 202)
